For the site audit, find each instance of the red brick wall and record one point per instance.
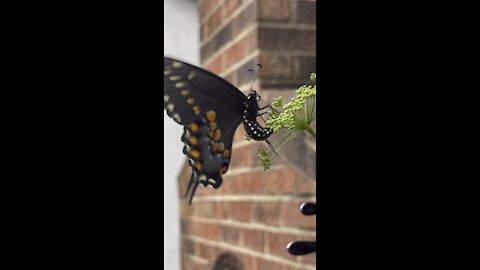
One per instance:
(254, 215)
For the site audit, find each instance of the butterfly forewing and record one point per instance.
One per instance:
(190, 91)
(210, 109)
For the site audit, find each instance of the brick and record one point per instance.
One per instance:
(206, 252)
(302, 156)
(272, 183)
(188, 246)
(205, 230)
(244, 185)
(215, 20)
(286, 180)
(204, 31)
(228, 260)
(280, 65)
(230, 235)
(304, 187)
(236, 52)
(208, 210)
(244, 156)
(304, 66)
(186, 210)
(217, 65)
(249, 262)
(212, 232)
(277, 244)
(205, 7)
(273, 10)
(216, 43)
(185, 227)
(271, 265)
(231, 6)
(307, 12)
(254, 239)
(267, 213)
(258, 182)
(240, 211)
(187, 263)
(246, 18)
(204, 209)
(286, 39)
(231, 79)
(309, 259)
(240, 135)
(252, 41)
(291, 216)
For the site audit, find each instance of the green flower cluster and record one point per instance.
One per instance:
(264, 159)
(299, 113)
(297, 116)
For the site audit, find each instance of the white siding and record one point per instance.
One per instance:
(181, 41)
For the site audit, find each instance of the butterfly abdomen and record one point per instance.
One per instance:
(255, 131)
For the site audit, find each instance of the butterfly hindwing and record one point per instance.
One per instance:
(210, 109)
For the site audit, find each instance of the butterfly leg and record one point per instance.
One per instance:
(270, 107)
(193, 192)
(190, 184)
(271, 148)
(192, 187)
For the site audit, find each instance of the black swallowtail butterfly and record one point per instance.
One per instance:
(210, 109)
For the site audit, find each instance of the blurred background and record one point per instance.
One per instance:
(248, 222)
(181, 41)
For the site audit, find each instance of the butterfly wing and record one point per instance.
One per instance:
(190, 91)
(210, 109)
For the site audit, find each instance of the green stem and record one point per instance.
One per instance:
(312, 132)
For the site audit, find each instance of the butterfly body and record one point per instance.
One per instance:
(252, 127)
(210, 109)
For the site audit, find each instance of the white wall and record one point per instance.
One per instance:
(181, 41)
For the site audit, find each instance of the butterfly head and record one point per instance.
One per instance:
(254, 96)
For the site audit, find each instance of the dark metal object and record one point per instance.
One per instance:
(309, 209)
(300, 248)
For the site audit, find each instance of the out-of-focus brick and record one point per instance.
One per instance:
(189, 246)
(230, 235)
(277, 244)
(247, 17)
(274, 10)
(241, 211)
(287, 39)
(236, 52)
(206, 7)
(231, 6)
(249, 262)
(217, 65)
(291, 215)
(306, 12)
(254, 239)
(267, 213)
(279, 65)
(304, 66)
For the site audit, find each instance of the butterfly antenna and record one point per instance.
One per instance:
(256, 76)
